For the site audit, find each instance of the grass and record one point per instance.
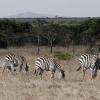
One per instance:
(20, 86)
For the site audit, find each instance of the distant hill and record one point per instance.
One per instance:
(30, 15)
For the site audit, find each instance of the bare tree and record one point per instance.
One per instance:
(50, 36)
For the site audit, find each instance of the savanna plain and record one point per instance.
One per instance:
(20, 86)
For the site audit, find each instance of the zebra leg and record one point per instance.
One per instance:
(83, 74)
(41, 76)
(36, 74)
(12, 68)
(84, 70)
(3, 69)
(40, 73)
(52, 74)
(20, 68)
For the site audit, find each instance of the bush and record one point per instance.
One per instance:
(62, 55)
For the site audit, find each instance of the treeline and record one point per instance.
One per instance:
(40, 32)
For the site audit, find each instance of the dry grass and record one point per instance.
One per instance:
(19, 86)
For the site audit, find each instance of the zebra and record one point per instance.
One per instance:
(48, 64)
(87, 62)
(18, 61)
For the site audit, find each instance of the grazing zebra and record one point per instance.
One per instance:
(87, 62)
(48, 64)
(17, 60)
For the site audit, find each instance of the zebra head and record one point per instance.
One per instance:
(94, 73)
(61, 74)
(10, 65)
(96, 68)
(38, 71)
(24, 67)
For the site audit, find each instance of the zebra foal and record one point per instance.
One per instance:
(48, 64)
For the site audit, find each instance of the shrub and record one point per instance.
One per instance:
(62, 55)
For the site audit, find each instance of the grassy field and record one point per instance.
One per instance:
(20, 86)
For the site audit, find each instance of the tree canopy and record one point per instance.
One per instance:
(13, 33)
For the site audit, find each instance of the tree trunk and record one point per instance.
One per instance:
(51, 46)
(38, 52)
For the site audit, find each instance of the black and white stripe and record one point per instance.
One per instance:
(10, 57)
(87, 62)
(48, 64)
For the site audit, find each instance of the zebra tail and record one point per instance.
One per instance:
(27, 68)
(78, 68)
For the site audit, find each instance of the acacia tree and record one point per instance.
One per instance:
(50, 34)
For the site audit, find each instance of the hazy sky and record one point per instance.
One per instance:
(68, 8)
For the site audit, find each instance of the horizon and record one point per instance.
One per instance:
(54, 16)
(66, 8)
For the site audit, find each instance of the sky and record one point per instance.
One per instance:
(68, 8)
